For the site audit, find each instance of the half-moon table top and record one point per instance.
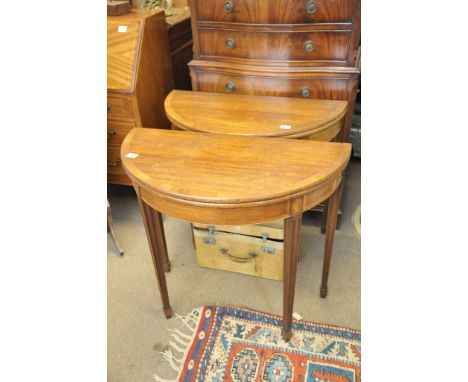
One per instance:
(253, 115)
(175, 170)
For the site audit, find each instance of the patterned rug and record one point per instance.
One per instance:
(241, 345)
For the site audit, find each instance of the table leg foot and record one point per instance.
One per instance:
(292, 231)
(168, 312)
(287, 334)
(155, 233)
(323, 292)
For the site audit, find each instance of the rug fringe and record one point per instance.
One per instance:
(190, 320)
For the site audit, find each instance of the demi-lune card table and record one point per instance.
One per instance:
(223, 179)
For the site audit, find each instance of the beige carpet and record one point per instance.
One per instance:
(136, 325)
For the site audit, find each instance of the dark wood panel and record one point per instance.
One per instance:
(275, 46)
(275, 11)
(322, 88)
(180, 60)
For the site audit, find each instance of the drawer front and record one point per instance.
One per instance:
(275, 46)
(114, 162)
(314, 87)
(275, 11)
(117, 131)
(239, 253)
(119, 107)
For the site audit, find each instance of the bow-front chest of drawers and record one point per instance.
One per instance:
(292, 48)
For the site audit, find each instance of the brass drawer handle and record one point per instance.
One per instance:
(228, 6)
(230, 43)
(108, 107)
(114, 164)
(110, 134)
(230, 87)
(311, 6)
(236, 259)
(309, 46)
(305, 92)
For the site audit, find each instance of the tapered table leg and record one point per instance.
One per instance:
(292, 231)
(332, 213)
(157, 242)
(162, 242)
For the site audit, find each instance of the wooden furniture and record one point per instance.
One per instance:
(291, 48)
(110, 228)
(190, 182)
(261, 116)
(179, 32)
(145, 50)
(139, 77)
(249, 249)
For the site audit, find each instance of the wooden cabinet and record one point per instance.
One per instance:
(146, 58)
(139, 76)
(292, 48)
(275, 11)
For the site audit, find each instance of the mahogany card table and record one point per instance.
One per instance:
(228, 179)
(256, 116)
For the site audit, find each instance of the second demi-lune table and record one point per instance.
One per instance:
(223, 179)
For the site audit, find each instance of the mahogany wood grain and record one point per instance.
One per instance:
(193, 172)
(193, 182)
(281, 85)
(254, 115)
(322, 48)
(332, 84)
(122, 54)
(275, 11)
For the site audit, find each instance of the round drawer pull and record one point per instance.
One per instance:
(230, 87)
(114, 164)
(311, 6)
(110, 134)
(230, 43)
(309, 46)
(228, 6)
(305, 92)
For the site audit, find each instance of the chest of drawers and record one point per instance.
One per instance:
(292, 48)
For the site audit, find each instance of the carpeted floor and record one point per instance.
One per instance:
(136, 325)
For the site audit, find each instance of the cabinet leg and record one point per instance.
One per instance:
(332, 213)
(157, 242)
(292, 231)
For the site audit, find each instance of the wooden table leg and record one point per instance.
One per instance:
(292, 231)
(157, 242)
(332, 213)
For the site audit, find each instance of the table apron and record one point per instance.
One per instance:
(237, 214)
